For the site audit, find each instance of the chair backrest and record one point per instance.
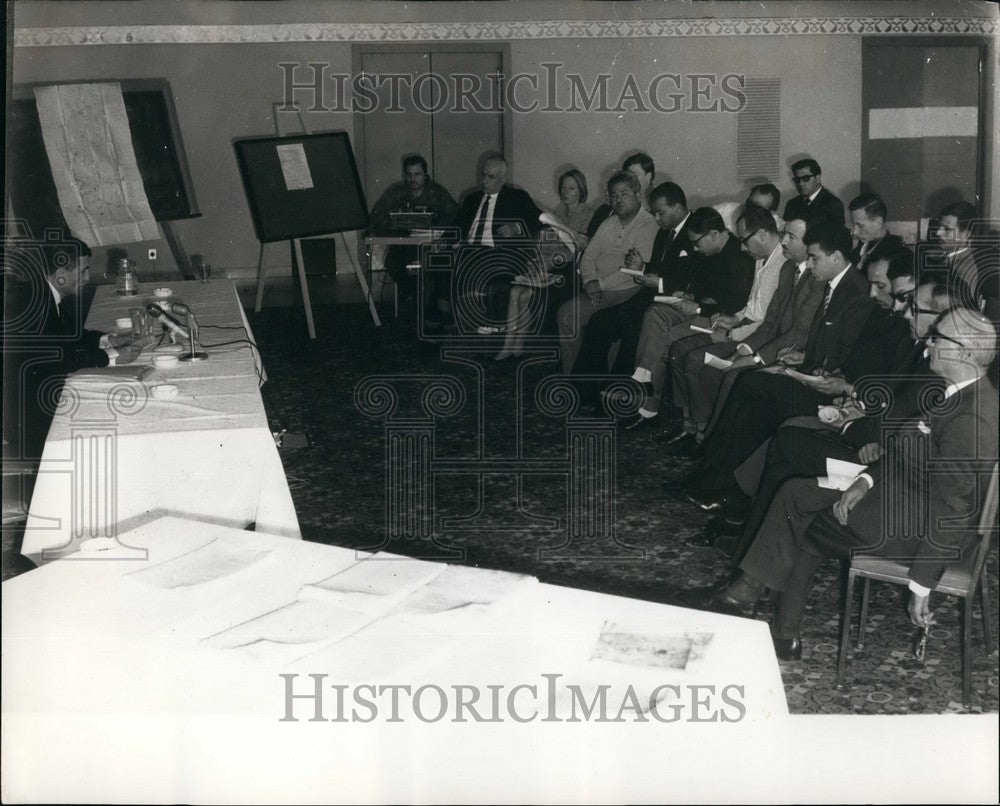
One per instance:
(987, 524)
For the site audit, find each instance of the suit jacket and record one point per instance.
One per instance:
(888, 245)
(42, 344)
(832, 334)
(880, 347)
(725, 278)
(513, 205)
(673, 259)
(789, 313)
(963, 440)
(825, 206)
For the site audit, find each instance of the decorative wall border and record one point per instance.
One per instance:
(465, 31)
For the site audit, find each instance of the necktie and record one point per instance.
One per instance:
(477, 236)
(826, 297)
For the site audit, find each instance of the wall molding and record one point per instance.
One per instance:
(506, 31)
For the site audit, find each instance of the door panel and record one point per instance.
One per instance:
(389, 135)
(918, 173)
(461, 138)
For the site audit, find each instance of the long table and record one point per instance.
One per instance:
(116, 454)
(168, 679)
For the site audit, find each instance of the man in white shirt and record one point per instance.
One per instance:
(604, 285)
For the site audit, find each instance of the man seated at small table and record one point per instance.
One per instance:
(417, 193)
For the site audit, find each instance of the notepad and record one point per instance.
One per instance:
(667, 298)
(633, 272)
(700, 329)
(840, 474)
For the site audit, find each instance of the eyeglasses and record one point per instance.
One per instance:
(934, 337)
(904, 298)
(696, 240)
(748, 237)
(802, 178)
(911, 304)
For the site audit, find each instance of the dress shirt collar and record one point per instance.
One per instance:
(812, 198)
(954, 254)
(679, 227)
(800, 269)
(55, 293)
(836, 280)
(954, 387)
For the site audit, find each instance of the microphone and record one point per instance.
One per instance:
(182, 311)
(167, 321)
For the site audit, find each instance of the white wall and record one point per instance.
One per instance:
(224, 91)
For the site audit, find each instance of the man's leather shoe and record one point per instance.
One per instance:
(787, 648)
(715, 600)
(705, 539)
(641, 423)
(707, 502)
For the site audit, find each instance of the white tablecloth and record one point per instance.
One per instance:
(115, 454)
(136, 677)
(189, 617)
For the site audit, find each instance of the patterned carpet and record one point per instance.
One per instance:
(505, 415)
(339, 485)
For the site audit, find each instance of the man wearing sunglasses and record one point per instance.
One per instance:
(940, 506)
(814, 202)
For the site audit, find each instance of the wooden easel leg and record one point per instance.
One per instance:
(305, 288)
(359, 273)
(260, 280)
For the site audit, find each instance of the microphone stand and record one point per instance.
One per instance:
(183, 311)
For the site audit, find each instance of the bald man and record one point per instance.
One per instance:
(499, 223)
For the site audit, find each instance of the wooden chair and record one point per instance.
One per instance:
(961, 581)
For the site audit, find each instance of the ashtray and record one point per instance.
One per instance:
(165, 361)
(164, 391)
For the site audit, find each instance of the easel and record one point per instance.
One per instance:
(297, 247)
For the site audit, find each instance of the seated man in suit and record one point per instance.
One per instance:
(872, 239)
(852, 427)
(416, 193)
(604, 286)
(814, 202)
(721, 285)
(668, 271)
(941, 506)
(499, 225)
(972, 260)
(759, 238)
(762, 399)
(44, 339)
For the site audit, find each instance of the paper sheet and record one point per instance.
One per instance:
(210, 562)
(88, 142)
(373, 585)
(840, 474)
(667, 298)
(700, 329)
(294, 166)
(669, 651)
(718, 363)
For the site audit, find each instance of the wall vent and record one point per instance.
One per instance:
(758, 130)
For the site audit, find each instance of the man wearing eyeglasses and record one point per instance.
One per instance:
(803, 444)
(693, 393)
(721, 285)
(814, 202)
(940, 506)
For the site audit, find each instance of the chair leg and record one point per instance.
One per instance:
(845, 630)
(863, 619)
(984, 593)
(967, 654)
